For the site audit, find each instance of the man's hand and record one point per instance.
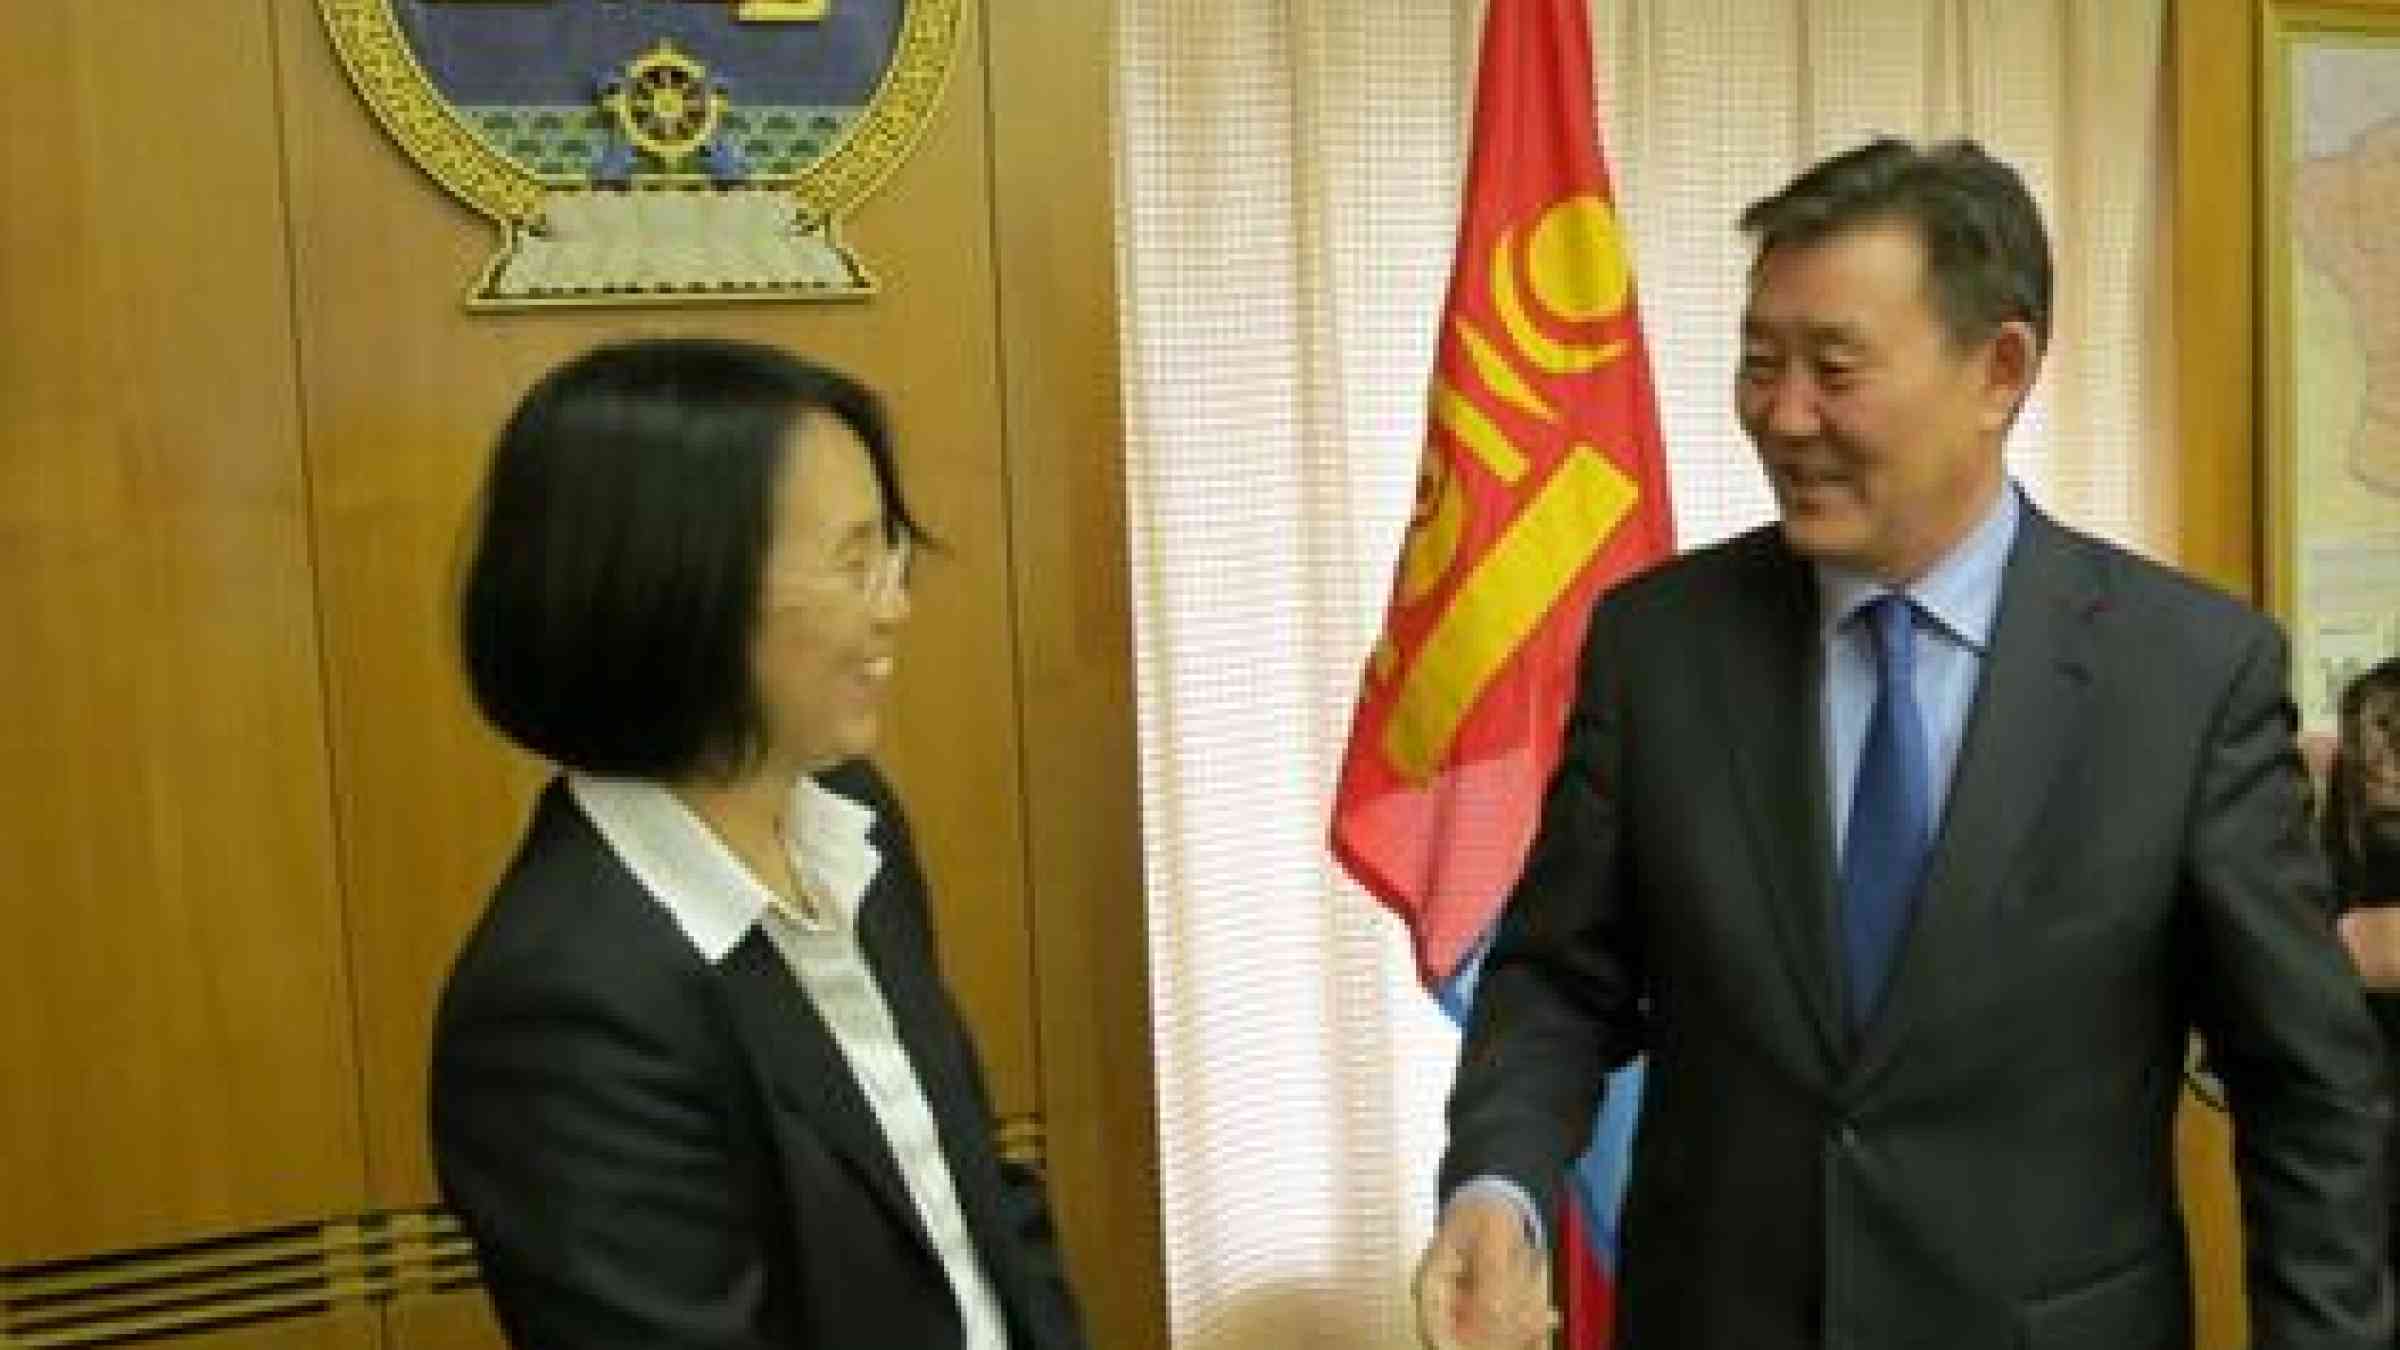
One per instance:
(2372, 933)
(1482, 1285)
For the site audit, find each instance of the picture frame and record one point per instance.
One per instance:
(2329, 188)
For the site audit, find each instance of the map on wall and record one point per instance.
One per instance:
(649, 151)
(2342, 198)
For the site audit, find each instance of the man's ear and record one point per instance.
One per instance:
(2012, 357)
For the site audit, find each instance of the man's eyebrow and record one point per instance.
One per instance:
(1814, 333)
(1834, 334)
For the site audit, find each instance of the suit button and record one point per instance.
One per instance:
(1846, 1135)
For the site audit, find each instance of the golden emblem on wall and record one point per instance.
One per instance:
(654, 151)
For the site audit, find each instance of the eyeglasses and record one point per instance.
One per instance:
(877, 578)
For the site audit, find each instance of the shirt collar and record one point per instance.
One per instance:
(1961, 591)
(690, 872)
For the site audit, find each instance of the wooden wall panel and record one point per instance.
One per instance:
(2214, 273)
(352, 1327)
(2212, 479)
(404, 391)
(173, 1017)
(457, 1320)
(1055, 224)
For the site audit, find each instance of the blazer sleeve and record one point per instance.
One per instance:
(574, 1131)
(2288, 1029)
(1558, 999)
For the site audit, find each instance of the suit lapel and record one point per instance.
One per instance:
(805, 1073)
(2024, 724)
(902, 961)
(1769, 664)
(900, 952)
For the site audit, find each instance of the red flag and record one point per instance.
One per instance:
(1585, 1282)
(1542, 481)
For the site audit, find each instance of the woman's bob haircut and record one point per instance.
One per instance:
(613, 590)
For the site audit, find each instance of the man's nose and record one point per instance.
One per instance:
(1786, 407)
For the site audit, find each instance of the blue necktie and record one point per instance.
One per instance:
(1883, 855)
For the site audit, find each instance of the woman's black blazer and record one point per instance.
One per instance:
(653, 1151)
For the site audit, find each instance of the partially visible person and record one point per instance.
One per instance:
(2361, 827)
(2361, 820)
(697, 1084)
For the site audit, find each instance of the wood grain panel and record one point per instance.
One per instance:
(344, 1328)
(2212, 480)
(172, 1002)
(2214, 276)
(1054, 219)
(404, 392)
(2212, 1225)
(455, 1320)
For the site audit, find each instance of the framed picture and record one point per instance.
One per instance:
(2329, 171)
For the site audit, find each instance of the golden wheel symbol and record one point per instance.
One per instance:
(666, 104)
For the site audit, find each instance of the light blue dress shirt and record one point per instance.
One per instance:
(1957, 600)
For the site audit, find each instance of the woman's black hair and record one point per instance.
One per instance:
(614, 585)
(2346, 813)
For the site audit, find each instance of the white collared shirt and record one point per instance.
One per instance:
(715, 901)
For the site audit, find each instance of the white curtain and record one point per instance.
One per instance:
(1287, 187)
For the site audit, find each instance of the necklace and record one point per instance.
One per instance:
(809, 906)
(792, 889)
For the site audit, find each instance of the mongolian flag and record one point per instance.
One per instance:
(1542, 482)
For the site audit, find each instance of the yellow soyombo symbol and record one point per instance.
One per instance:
(1575, 271)
(1455, 413)
(1498, 606)
(1499, 376)
(1577, 260)
(1433, 530)
(1434, 527)
(1575, 264)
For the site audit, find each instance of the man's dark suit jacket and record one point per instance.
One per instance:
(654, 1152)
(2123, 858)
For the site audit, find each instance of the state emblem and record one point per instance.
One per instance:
(654, 151)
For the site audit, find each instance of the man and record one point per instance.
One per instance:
(1911, 839)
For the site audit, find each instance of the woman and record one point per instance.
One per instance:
(2362, 800)
(696, 1081)
(2361, 830)
(2361, 823)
